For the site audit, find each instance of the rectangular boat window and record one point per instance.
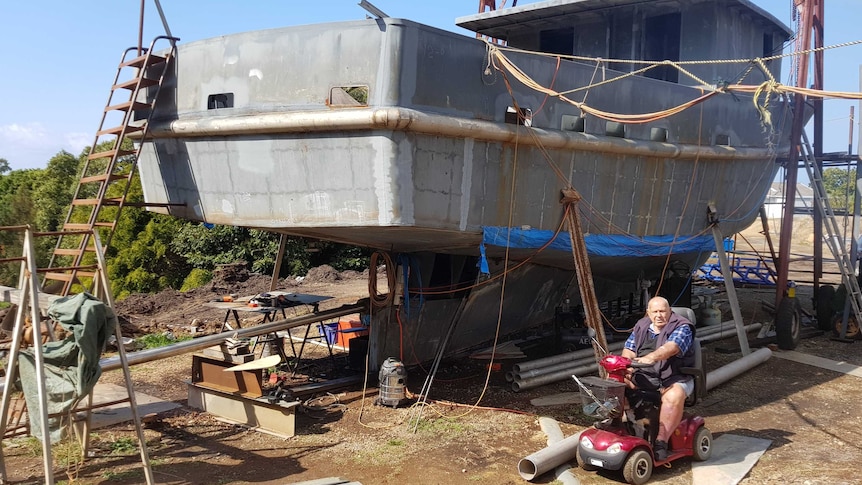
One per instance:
(658, 134)
(219, 101)
(348, 96)
(558, 41)
(722, 140)
(612, 128)
(662, 36)
(768, 46)
(514, 118)
(572, 123)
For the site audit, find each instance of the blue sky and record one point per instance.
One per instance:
(57, 58)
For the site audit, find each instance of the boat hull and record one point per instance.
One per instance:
(433, 158)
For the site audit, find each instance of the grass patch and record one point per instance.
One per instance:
(122, 476)
(123, 446)
(156, 340)
(386, 454)
(441, 426)
(68, 453)
(32, 446)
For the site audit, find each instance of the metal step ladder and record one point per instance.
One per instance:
(834, 235)
(28, 300)
(108, 173)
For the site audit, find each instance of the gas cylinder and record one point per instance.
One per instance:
(710, 316)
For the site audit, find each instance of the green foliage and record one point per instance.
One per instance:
(197, 278)
(206, 248)
(4, 166)
(840, 185)
(149, 263)
(156, 340)
(123, 446)
(342, 257)
(16, 208)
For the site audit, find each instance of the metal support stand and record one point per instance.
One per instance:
(728, 285)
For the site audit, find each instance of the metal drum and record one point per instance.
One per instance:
(392, 376)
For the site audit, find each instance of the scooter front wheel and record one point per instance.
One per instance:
(583, 463)
(637, 469)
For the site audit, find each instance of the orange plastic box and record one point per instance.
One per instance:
(348, 329)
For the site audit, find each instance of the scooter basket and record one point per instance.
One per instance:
(609, 393)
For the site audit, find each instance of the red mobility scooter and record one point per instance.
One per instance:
(624, 439)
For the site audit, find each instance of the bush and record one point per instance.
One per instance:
(196, 278)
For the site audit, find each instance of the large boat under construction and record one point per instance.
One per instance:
(449, 152)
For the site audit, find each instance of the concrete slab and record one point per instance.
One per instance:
(813, 360)
(733, 456)
(121, 413)
(557, 399)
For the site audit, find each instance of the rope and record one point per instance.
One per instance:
(681, 63)
(381, 300)
(766, 89)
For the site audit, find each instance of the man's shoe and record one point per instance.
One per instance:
(660, 450)
(605, 424)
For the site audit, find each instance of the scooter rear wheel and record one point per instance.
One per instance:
(702, 444)
(637, 469)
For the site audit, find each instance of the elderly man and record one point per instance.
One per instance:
(663, 339)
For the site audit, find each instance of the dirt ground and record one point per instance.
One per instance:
(810, 414)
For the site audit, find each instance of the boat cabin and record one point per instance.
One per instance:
(655, 30)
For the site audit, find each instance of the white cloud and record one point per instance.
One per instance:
(31, 145)
(77, 141)
(25, 134)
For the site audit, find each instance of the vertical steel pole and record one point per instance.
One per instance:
(817, 26)
(806, 14)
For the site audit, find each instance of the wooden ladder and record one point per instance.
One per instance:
(29, 300)
(107, 175)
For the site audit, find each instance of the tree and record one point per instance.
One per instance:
(840, 185)
(52, 194)
(149, 263)
(205, 248)
(4, 166)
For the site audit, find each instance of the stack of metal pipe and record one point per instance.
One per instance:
(535, 373)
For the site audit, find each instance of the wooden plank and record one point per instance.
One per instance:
(327, 481)
(210, 372)
(329, 385)
(264, 363)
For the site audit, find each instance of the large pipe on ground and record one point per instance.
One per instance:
(549, 457)
(552, 368)
(727, 372)
(545, 375)
(568, 357)
(560, 358)
(112, 363)
(728, 332)
(523, 384)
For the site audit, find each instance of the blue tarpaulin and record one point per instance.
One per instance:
(597, 244)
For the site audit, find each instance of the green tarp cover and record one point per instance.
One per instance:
(71, 365)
